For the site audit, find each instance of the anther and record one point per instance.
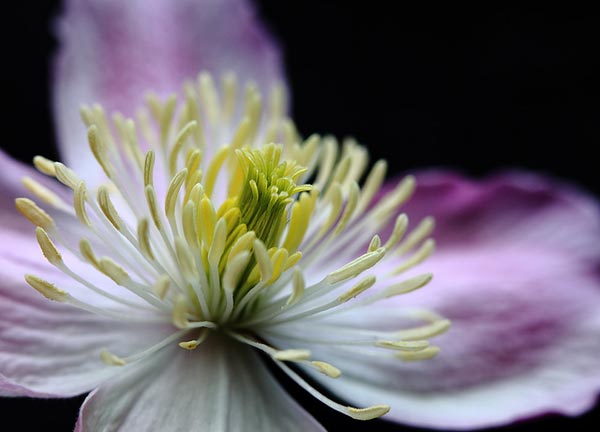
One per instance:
(327, 369)
(291, 355)
(47, 246)
(410, 356)
(33, 213)
(48, 290)
(369, 413)
(111, 359)
(359, 288)
(45, 166)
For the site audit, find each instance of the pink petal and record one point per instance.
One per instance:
(219, 386)
(112, 52)
(51, 349)
(516, 271)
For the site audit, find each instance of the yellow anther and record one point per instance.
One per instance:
(153, 206)
(292, 355)
(399, 229)
(66, 176)
(424, 332)
(189, 345)
(188, 216)
(418, 257)
(417, 345)
(263, 260)
(108, 208)
(209, 96)
(79, 199)
(173, 193)
(111, 359)
(425, 354)
(47, 246)
(357, 289)
(180, 311)
(229, 84)
(417, 235)
(217, 246)
(298, 285)
(213, 169)
(374, 244)
(356, 267)
(407, 285)
(114, 271)
(372, 184)
(149, 168)
(369, 413)
(301, 213)
(33, 213)
(99, 150)
(86, 250)
(180, 141)
(205, 221)
(48, 290)
(42, 192)
(161, 286)
(327, 369)
(185, 259)
(143, 232)
(45, 166)
(279, 259)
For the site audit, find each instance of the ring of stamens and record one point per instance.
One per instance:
(223, 244)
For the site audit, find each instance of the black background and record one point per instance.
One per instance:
(474, 89)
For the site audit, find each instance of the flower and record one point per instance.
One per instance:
(184, 240)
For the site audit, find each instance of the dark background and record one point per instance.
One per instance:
(478, 90)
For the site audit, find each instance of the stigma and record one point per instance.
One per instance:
(216, 216)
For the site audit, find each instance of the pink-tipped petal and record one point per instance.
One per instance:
(112, 52)
(517, 271)
(217, 387)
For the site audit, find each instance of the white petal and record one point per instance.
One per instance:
(219, 386)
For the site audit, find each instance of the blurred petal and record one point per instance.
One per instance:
(517, 273)
(112, 52)
(51, 349)
(224, 387)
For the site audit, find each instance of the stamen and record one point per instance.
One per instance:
(356, 267)
(291, 355)
(66, 176)
(298, 285)
(111, 359)
(45, 166)
(369, 413)
(48, 290)
(411, 346)
(327, 369)
(161, 287)
(359, 288)
(418, 257)
(425, 354)
(33, 213)
(79, 199)
(43, 193)
(48, 248)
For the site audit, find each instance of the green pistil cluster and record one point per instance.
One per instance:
(269, 187)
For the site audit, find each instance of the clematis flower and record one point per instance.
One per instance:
(194, 231)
